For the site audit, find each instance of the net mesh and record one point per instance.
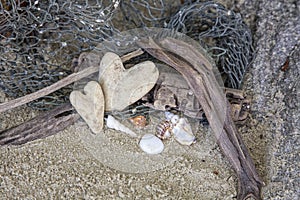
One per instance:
(40, 39)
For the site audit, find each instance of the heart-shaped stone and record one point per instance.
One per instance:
(90, 105)
(122, 87)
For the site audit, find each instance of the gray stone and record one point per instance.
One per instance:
(122, 87)
(90, 105)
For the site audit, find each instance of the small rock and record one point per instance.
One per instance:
(151, 144)
(90, 105)
(122, 87)
(121, 195)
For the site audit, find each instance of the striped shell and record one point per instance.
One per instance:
(163, 130)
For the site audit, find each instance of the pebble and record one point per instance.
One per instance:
(122, 87)
(90, 105)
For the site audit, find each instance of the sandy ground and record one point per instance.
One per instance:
(69, 165)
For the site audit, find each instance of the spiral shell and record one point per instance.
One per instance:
(163, 130)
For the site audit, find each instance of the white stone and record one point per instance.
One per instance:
(151, 144)
(111, 122)
(90, 105)
(122, 87)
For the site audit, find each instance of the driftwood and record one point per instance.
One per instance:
(51, 122)
(60, 84)
(197, 71)
(47, 90)
(44, 125)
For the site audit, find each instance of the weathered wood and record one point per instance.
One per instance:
(44, 125)
(51, 122)
(47, 90)
(60, 84)
(194, 68)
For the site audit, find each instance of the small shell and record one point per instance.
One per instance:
(169, 115)
(163, 130)
(172, 117)
(151, 144)
(183, 132)
(140, 121)
(111, 122)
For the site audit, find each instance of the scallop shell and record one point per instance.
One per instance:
(151, 144)
(183, 133)
(111, 122)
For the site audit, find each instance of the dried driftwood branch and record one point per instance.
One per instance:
(47, 90)
(60, 84)
(44, 125)
(197, 71)
(50, 122)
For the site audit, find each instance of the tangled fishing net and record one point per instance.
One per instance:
(40, 39)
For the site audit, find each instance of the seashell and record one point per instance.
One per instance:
(169, 115)
(122, 87)
(163, 130)
(111, 122)
(139, 121)
(90, 105)
(182, 132)
(151, 144)
(172, 117)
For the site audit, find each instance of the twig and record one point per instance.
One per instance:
(47, 90)
(131, 55)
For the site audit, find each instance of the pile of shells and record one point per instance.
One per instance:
(118, 88)
(175, 126)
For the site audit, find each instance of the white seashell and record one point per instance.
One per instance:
(151, 144)
(169, 115)
(174, 120)
(172, 117)
(111, 122)
(183, 132)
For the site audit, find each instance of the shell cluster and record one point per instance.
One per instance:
(174, 126)
(180, 128)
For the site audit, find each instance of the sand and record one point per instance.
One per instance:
(67, 165)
